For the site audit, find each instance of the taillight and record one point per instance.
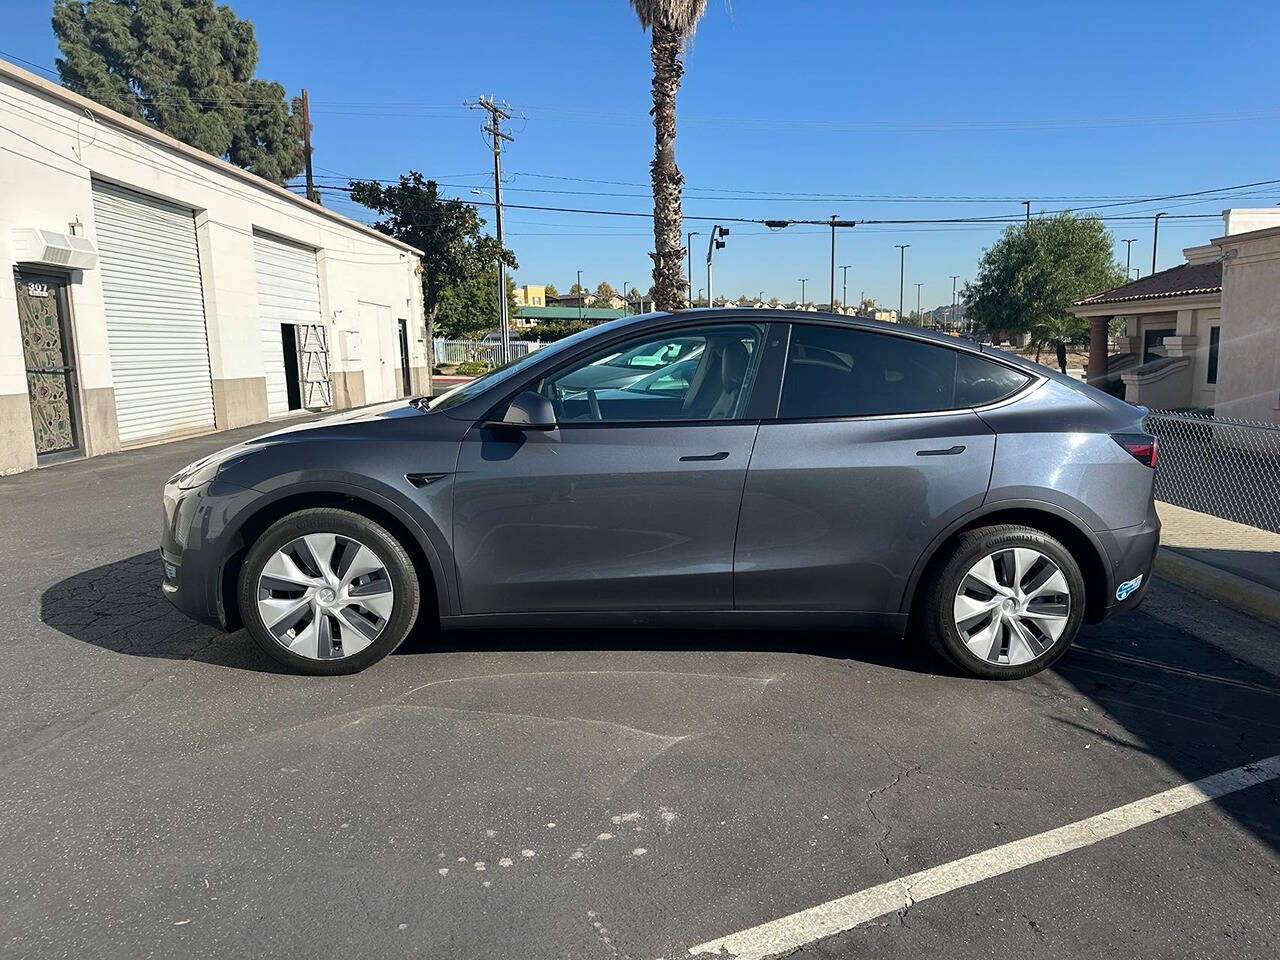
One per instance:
(1141, 446)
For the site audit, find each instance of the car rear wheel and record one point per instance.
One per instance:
(1005, 602)
(327, 591)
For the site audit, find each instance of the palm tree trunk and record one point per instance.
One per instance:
(668, 219)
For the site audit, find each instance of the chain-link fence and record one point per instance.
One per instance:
(1227, 468)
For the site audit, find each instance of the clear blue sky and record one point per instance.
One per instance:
(996, 99)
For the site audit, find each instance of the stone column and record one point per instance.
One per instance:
(1097, 370)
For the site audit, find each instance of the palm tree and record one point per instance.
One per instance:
(670, 23)
(1057, 331)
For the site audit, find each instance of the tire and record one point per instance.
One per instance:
(305, 614)
(1012, 631)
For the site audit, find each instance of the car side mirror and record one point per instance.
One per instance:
(528, 411)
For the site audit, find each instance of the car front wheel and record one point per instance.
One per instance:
(328, 591)
(1005, 602)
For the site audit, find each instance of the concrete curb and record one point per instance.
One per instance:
(1236, 592)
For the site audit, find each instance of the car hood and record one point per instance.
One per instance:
(347, 425)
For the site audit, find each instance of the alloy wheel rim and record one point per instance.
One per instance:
(325, 596)
(1012, 606)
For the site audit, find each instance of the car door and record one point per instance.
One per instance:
(874, 450)
(631, 503)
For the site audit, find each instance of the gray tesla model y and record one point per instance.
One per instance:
(755, 468)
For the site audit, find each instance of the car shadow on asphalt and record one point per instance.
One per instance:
(119, 606)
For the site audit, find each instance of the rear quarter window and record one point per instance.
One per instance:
(979, 382)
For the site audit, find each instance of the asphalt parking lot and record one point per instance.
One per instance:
(166, 792)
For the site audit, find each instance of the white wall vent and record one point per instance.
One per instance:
(47, 247)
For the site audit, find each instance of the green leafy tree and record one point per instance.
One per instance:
(604, 292)
(469, 309)
(576, 288)
(447, 231)
(551, 291)
(552, 330)
(1027, 280)
(670, 24)
(185, 67)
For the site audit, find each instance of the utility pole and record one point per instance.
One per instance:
(1128, 256)
(1155, 240)
(803, 281)
(306, 145)
(844, 290)
(954, 278)
(714, 244)
(494, 129)
(919, 316)
(902, 272)
(688, 246)
(1027, 204)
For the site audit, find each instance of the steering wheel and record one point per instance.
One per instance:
(594, 405)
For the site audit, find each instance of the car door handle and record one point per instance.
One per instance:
(948, 452)
(722, 455)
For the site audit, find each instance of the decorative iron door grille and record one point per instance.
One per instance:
(46, 349)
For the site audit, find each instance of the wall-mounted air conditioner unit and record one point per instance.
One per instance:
(52, 249)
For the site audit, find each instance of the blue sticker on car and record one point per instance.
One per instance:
(1126, 588)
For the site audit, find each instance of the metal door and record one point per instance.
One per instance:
(154, 304)
(406, 374)
(50, 362)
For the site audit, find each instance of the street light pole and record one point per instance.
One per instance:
(1155, 240)
(835, 222)
(582, 296)
(1128, 256)
(803, 281)
(714, 244)
(688, 245)
(902, 272)
(919, 316)
(844, 289)
(626, 304)
(954, 278)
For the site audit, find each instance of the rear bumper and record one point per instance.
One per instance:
(1131, 552)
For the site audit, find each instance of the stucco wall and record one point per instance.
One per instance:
(1249, 358)
(52, 152)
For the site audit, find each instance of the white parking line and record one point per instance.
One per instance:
(835, 916)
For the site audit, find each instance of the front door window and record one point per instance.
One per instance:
(46, 349)
(700, 374)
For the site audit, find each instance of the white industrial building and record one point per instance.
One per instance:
(159, 292)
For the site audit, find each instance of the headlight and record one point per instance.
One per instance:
(198, 474)
(202, 471)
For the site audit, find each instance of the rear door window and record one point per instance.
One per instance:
(840, 372)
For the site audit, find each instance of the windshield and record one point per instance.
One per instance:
(473, 388)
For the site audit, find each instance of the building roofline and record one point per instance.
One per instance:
(1231, 238)
(49, 89)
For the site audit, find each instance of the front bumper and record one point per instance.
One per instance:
(192, 557)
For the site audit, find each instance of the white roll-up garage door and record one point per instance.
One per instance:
(288, 292)
(155, 315)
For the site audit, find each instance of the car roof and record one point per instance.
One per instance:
(798, 316)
